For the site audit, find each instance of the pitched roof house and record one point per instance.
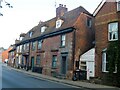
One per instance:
(55, 45)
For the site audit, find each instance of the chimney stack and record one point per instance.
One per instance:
(61, 10)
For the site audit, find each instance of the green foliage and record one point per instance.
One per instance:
(113, 56)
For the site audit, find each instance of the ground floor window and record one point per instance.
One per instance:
(54, 61)
(104, 62)
(38, 60)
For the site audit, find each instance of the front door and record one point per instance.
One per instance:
(63, 65)
(32, 62)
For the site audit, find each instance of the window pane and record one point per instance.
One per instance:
(33, 45)
(63, 37)
(38, 60)
(39, 44)
(113, 31)
(54, 61)
(63, 43)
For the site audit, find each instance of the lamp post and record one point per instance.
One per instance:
(6, 3)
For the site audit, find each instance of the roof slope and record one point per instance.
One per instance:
(69, 19)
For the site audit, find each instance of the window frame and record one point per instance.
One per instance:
(39, 43)
(38, 61)
(59, 23)
(43, 28)
(104, 62)
(111, 33)
(34, 46)
(63, 41)
(89, 22)
(30, 34)
(54, 61)
(118, 5)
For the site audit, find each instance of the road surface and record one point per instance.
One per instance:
(15, 79)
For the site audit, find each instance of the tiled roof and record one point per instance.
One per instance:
(69, 19)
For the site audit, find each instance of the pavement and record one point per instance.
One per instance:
(68, 82)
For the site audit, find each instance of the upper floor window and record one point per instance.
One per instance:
(39, 44)
(89, 22)
(17, 48)
(24, 47)
(27, 46)
(59, 23)
(113, 31)
(33, 45)
(43, 29)
(118, 5)
(63, 39)
(30, 34)
(21, 38)
(20, 48)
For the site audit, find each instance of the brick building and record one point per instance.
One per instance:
(57, 44)
(107, 29)
(5, 54)
(11, 56)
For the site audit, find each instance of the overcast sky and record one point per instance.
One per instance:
(26, 14)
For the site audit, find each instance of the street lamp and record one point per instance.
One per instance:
(7, 4)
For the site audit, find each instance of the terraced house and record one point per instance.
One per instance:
(107, 30)
(54, 47)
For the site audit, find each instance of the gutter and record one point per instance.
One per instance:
(67, 30)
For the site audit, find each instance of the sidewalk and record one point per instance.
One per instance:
(69, 82)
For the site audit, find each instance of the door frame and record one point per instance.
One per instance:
(64, 55)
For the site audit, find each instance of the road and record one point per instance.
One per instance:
(15, 79)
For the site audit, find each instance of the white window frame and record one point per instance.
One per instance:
(40, 44)
(63, 40)
(59, 23)
(43, 28)
(112, 32)
(30, 34)
(118, 5)
(104, 62)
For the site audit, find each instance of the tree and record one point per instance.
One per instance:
(113, 56)
(7, 4)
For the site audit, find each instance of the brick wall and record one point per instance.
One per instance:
(106, 15)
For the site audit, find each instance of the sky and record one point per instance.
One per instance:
(26, 14)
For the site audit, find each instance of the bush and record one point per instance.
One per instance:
(113, 56)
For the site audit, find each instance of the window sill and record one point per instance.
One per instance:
(113, 40)
(105, 71)
(62, 46)
(54, 68)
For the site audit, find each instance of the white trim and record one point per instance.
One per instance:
(101, 4)
(118, 3)
(99, 7)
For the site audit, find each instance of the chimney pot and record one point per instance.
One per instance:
(65, 6)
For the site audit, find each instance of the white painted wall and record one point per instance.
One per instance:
(89, 58)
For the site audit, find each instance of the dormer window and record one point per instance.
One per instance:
(43, 29)
(59, 23)
(30, 34)
(118, 5)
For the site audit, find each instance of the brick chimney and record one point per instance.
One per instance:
(61, 10)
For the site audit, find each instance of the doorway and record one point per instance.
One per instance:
(32, 62)
(63, 65)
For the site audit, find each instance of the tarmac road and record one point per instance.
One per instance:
(14, 79)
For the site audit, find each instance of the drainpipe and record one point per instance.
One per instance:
(73, 48)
